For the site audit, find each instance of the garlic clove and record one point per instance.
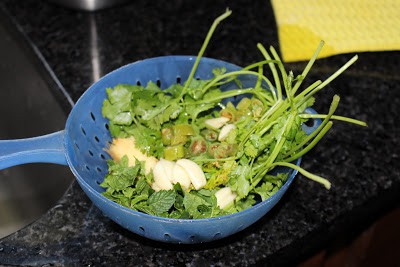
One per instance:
(223, 134)
(225, 196)
(155, 187)
(168, 166)
(150, 164)
(196, 174)
(160, 176)
(180, 175)
(216, 123)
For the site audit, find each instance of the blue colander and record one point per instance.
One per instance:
(82, 145)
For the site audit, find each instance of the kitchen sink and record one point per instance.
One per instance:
(30, 106)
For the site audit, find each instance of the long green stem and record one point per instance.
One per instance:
(223, 95)
(203, 48)
(332, 109)
(333, 117)
(263, 119)
(307, 174)
(311, 144)
(330, 79)
(307, 90)
(280, 140)
(307, 68)
(273, 69)
(234, 74)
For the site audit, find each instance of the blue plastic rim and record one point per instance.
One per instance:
(83, 143)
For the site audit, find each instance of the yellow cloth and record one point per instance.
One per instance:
(345, 26)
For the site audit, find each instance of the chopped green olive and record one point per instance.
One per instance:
(166, 136)
(198, 146)
(209, 135)
(174, 152)
(243, 104)
(180, 133)
(222, 150)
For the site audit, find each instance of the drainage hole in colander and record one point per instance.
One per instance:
(192, 238)
(83, 131)
(158, 82)
(141, 229)
(309, 123)
(98, 169)
(76, 145)
(167, 237)
(138, 83)
(96, 139)
(98, 182)
(87, 167)
(178, 79)
(217, 235)
(107, 126)
(90, 153)
(93, 117)
(102, 156)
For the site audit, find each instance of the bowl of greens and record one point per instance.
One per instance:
(188, 149)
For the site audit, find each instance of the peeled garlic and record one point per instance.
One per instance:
(180, 175)
(223, 134)
(216, 123)
(155, 187)
(225, 196)
(196, 174)
(162, 175)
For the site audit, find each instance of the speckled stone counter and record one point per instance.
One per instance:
(362, 163)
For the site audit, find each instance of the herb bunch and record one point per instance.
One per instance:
(268, 133)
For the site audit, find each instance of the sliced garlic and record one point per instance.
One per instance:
(216, 123)
(225, 196)
(180, 175)
(223, 134)
(162, 179)
(196, 174)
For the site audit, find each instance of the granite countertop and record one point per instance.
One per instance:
(362, 163)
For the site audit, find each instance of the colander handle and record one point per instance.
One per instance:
(47, 149)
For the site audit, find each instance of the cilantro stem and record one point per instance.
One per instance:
(237, 73)
(259, 63)
(200, 159)
(307, 90)
(272, 110)
(226, 94)
(203, 48)
(330, 79)
(280, 140)
(332, 109)
(273, 69)
(281, 68)
(259, 80)
(307, 68)
(312, 144)
(309, 175)
(333, 117)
